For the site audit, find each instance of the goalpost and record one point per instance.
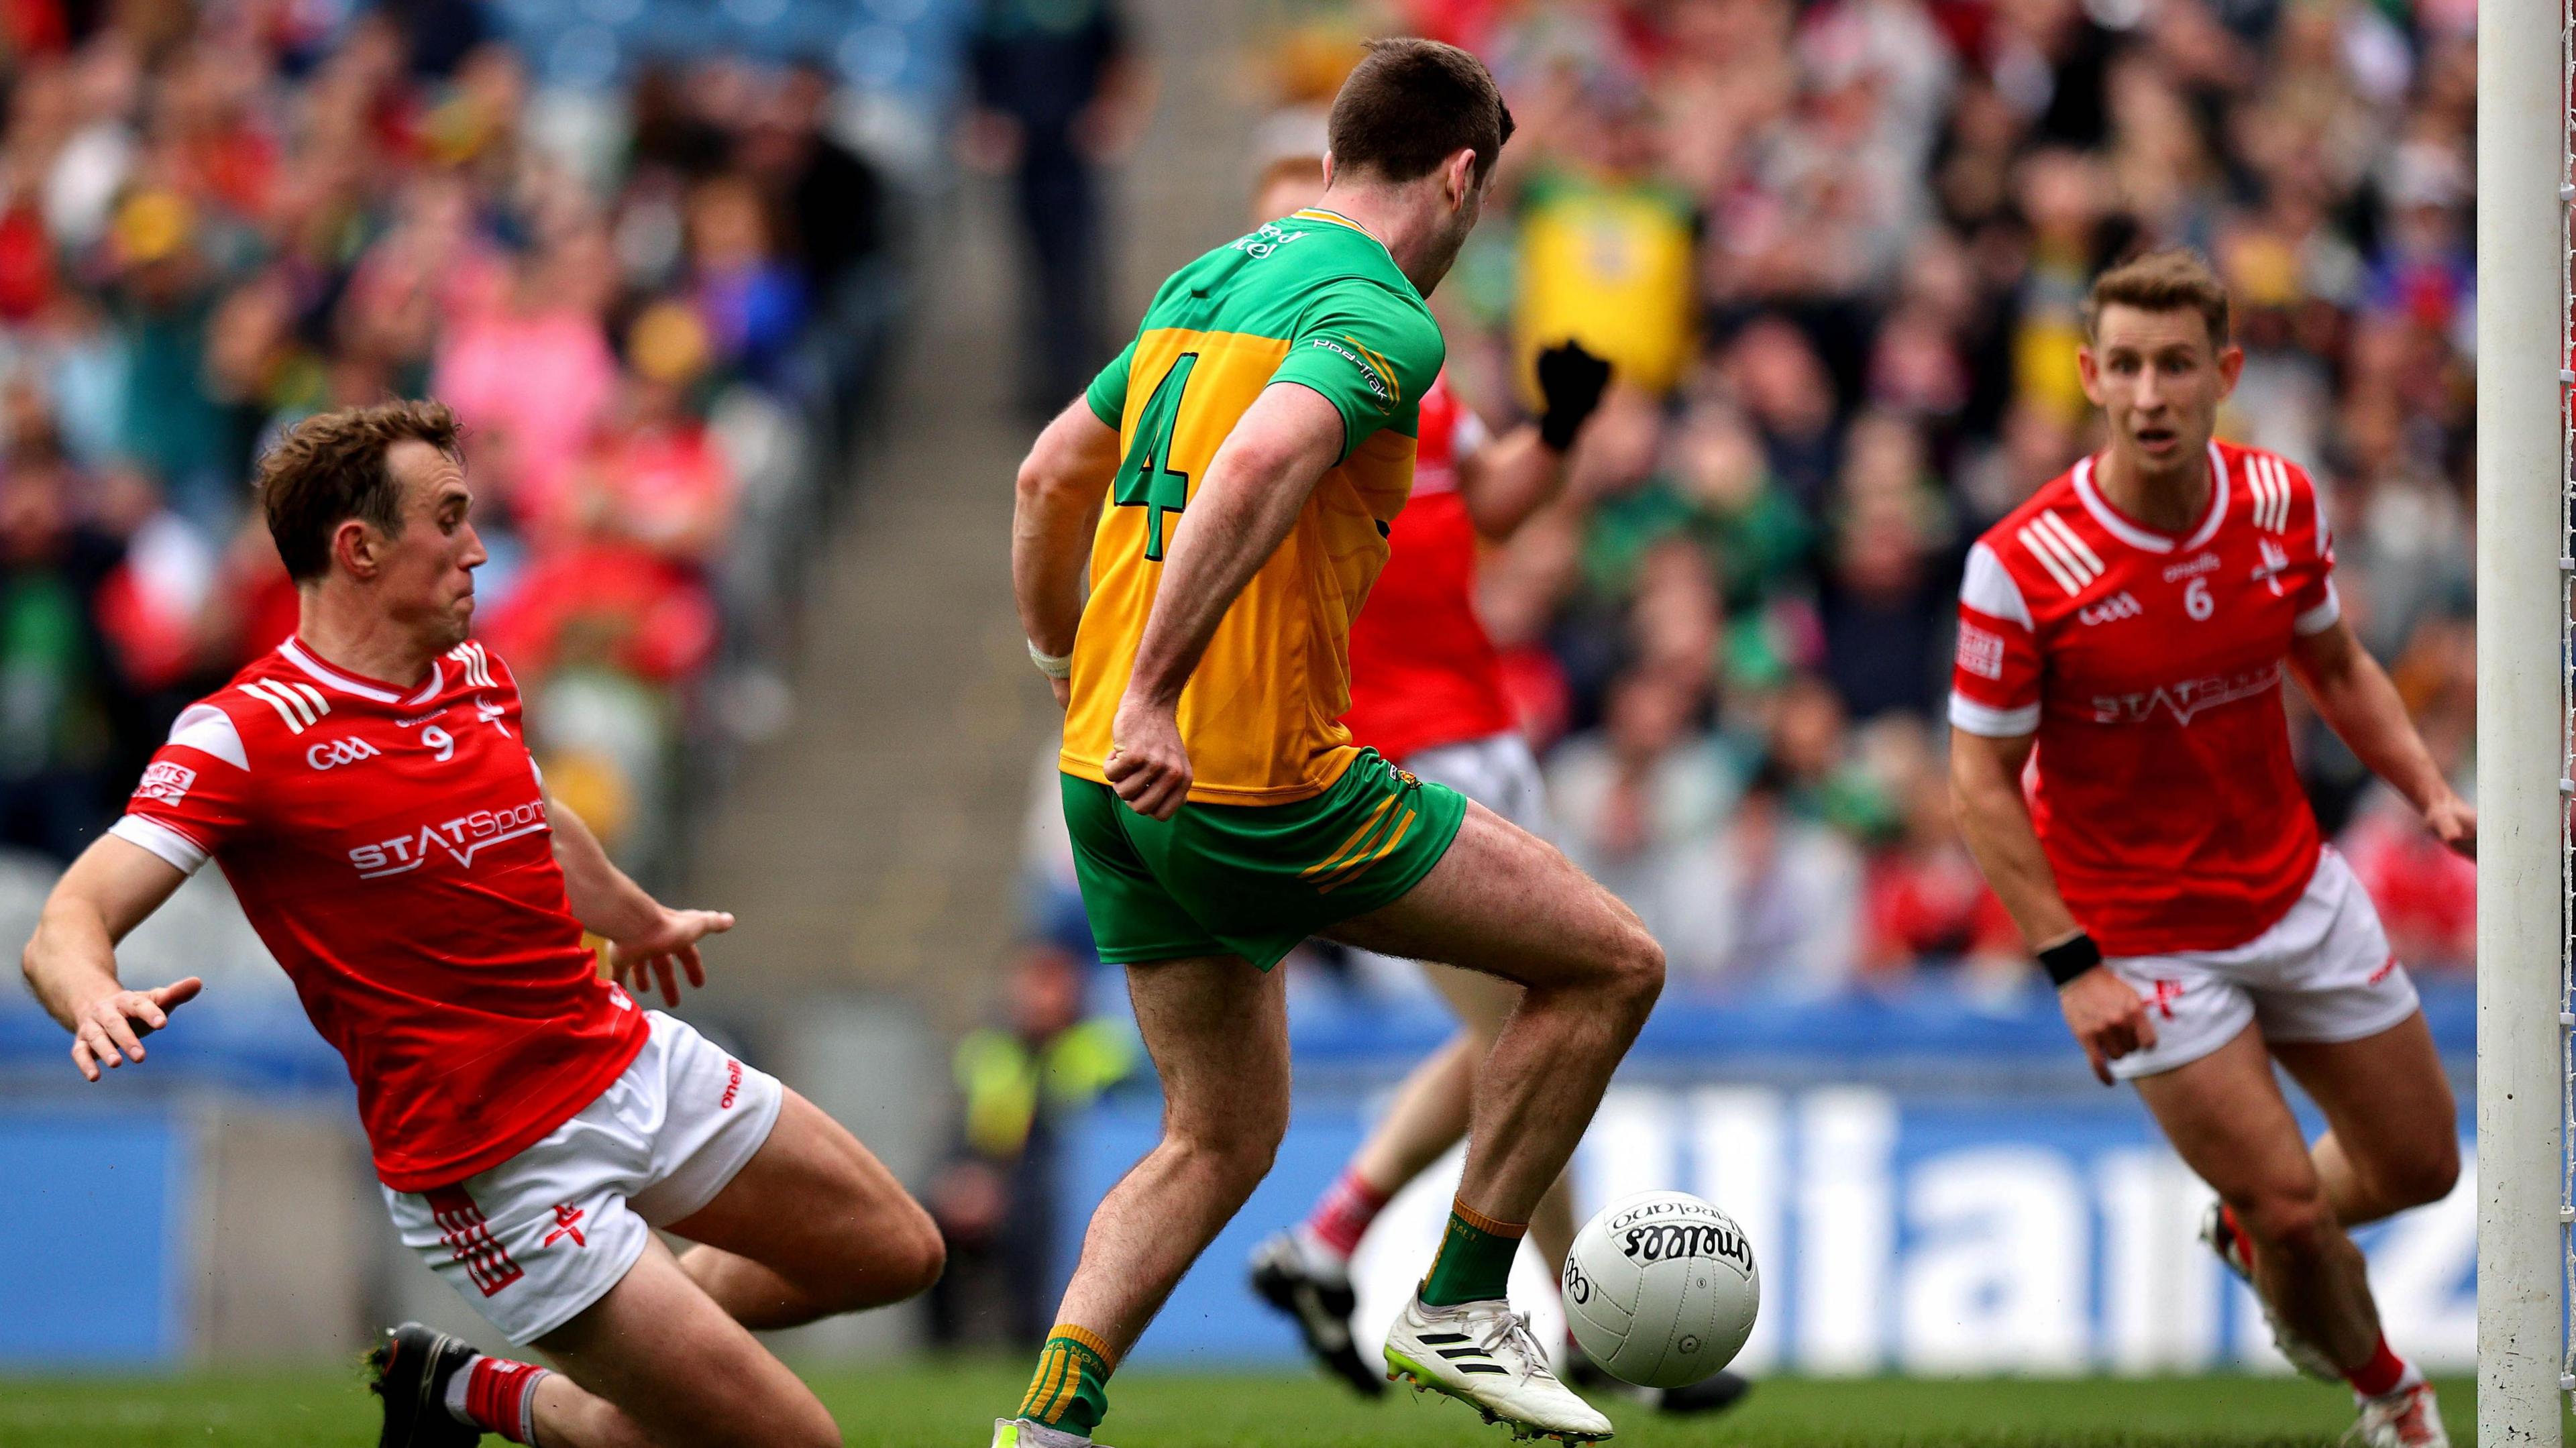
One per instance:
(2527, 860)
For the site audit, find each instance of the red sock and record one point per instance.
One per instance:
(2384, 1373)
(501, 1397)
(1342, 1215)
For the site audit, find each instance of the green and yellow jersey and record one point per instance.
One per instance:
(1612, 266)
(1311, 299)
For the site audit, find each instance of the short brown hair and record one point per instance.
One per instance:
(1410, 105)
(330, 468)
(2161, 281)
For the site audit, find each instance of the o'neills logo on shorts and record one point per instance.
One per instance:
(733, 1086)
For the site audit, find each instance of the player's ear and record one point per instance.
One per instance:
(357, 547)
(1458, 179)
(2231, 365)
(1329, 168)
(2088, 370)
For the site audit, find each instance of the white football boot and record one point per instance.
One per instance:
(2408, 1418)
(2223, 1239)
(1021, 1433)
(1484, 1355)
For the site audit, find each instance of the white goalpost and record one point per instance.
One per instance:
(2526, 931)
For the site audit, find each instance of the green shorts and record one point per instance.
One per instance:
(1253, 880)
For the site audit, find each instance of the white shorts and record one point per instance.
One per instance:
(545, 1234)
(1496, 771)
(2323, 972)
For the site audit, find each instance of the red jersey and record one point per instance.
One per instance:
(391, 848)
(1423, 673)
(2150, 668)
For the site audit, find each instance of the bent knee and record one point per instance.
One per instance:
(1633, 968)
(2424, 1178)
(915, 1254)
(1237, 1153)
(2295, 1221)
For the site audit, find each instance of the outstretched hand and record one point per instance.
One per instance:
(111, 1028)
(672, 942)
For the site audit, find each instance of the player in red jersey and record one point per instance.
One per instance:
(2122, 768)
(368, 794)
(1427, 693)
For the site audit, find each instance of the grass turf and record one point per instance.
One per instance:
(952, 1406)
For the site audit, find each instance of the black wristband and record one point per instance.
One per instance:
(2070, 958)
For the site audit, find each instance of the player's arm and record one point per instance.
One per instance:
(2108, 1018)
(646, 938)
(2355, 696)
(1985, 788)
(1506, 480)
(1061, 485)
(70, 962)
(1255, 486)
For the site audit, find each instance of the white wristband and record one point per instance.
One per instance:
(1054, 666)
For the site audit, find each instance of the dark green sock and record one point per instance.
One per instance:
(1475, 1258)
(1071, 1389)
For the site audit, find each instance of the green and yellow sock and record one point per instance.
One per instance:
(1475, 1258)
(1071, 1389)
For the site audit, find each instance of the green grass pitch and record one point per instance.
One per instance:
(953, 1407)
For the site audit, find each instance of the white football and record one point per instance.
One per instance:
(1661, 1289)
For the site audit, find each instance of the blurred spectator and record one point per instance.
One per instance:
(996, 1201)
(1060, 91)
(1606, 248)
(214, 223)
(1924, 902)
(57, 679)
(530, 376)
(1646, 783)
(1769, 902)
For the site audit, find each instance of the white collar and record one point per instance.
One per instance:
(295, 654)
(2135, 536)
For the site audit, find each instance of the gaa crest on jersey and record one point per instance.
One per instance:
(166, 782)
(2123, 604)
(332, 753)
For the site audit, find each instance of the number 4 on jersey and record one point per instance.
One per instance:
(1145, 477)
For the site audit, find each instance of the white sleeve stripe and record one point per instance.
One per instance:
(2079, 550)
(209, 729)
(1990, 721)
(2322, 617)
(183, 854)
(2051, 556)
(1989, 589)
(275, 698)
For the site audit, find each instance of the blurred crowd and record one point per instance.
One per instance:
(658, 311)
(1836, 250)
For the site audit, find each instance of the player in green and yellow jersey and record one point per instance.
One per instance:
(1230, 480)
